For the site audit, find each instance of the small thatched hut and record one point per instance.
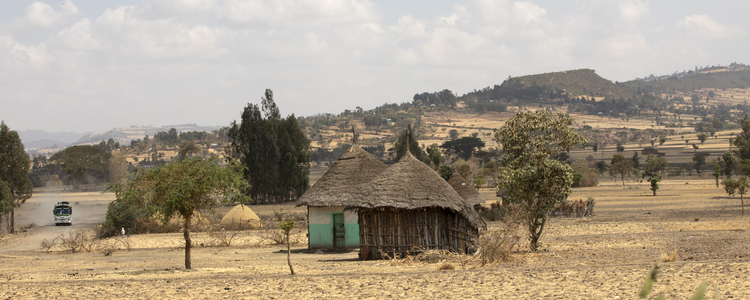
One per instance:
(330, 225)
(466, 190)
(409, 206)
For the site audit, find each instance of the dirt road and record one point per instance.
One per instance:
(35, 222)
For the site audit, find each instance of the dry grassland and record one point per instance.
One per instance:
(606, 256)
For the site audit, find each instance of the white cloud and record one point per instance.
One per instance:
(41, 14)
(527, 12)
(296, 13)
(21, 60)
(79, 36)
(203, 60)
(633, 10)
(703, 26)
(409, 27)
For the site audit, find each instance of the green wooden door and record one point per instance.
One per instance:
(339, 233)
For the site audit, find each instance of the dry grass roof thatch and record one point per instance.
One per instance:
(410, 184)
(466, 190)
(355, 166)
(240, 216)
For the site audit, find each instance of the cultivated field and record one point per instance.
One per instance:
(605, 256)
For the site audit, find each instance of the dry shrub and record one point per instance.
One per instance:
(126, 243)
(496, 244)
(445, 266)
(576, 208)
(8, 276)
(669, 257)
(223, 237)
(79, 240)
(108, 248)
(275, 236)
(47, 245)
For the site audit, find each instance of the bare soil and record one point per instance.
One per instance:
(606, 256)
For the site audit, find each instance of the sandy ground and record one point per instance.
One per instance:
(606, 256)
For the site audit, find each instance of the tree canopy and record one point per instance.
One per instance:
(462, 148)
(408, 135)
(182, 188)
(15, 185)
(534, 181)
(620, 166)
(274, 151)
(77, 161)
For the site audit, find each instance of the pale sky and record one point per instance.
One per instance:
(93, 65)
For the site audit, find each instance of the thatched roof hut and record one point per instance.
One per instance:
(410, 184)
(330, 226)
(355, 166)
(466, 190)
(410, 206)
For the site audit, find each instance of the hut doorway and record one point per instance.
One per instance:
(339, 231)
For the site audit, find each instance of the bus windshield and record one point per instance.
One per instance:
(62, 210)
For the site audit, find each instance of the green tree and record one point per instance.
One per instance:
(636, 160)
(586, 177)
(14, 174)
(601, 166)
(408, 136)
(78, 161)
(654, 165)
(533, 181)
(730, 161)
(654, 183)
(699, 160)
(662, 140)
(742, 144)
(620, 166)
(274, 151)
(702, 137)
(740, 186)
(286, 228)
(182, 188)
(435, 157)
(453, 134)
(462, 148)
(620, 148)
(188, 149)
(717, 170)
(446, 172)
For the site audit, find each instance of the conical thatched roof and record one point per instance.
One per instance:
(354, 167)
(240, 216)
(466, 190)
(410, 184)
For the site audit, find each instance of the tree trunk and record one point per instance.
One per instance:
(742, 202)
(12, 226)
(188, 242)
(654, 192)
(289, 253)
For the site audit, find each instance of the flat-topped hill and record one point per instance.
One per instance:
(581, 82)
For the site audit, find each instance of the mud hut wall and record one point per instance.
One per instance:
(320, 227)
(401, 231)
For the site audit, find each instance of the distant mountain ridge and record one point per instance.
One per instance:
(126, 134)
(36, 140)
